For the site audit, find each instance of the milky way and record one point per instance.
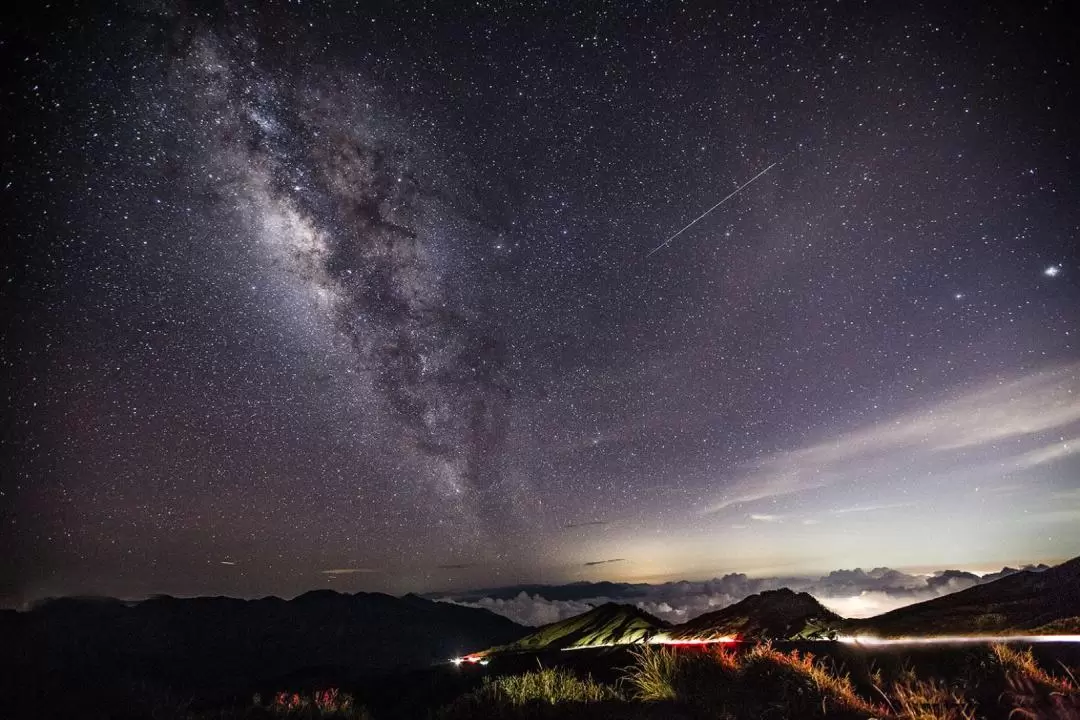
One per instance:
(363, 297)
(342, 211)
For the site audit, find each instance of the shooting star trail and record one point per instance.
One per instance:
(702, 215)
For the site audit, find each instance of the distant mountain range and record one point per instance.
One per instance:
(217, 646)
(836, 583)
(1033, 602)
(860, 592)
(1044, 602)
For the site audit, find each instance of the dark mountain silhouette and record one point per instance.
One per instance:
(770, 615)
(608, 624)
(218, 646)
(1025, 601)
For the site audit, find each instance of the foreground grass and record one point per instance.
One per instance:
(722, 683)
(539, 693)
(759, 683)
(764, 682)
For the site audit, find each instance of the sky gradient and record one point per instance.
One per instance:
(363, 297)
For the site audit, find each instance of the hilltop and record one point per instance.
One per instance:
(608, 624)
(770, 615)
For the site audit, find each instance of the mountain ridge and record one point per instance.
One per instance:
(607, 624)
(769, 615)
(1030, 601)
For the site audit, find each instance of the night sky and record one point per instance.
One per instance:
(359, 295)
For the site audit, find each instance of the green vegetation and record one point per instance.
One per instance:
(531, 694)
(608, 624)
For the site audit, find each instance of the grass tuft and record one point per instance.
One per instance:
(1023, 664)
(930, 700)
(653, 674)
(546, 685)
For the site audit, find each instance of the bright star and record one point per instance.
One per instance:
(1052, 271)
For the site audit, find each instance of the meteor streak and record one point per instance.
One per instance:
(702, 215)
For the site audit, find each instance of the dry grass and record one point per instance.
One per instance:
(797, 671)
(763, 680)
(930, 700)
(1033, 693)
(1023, 663)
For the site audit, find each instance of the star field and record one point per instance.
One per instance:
(307, 294)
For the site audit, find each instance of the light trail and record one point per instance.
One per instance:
(696, 641)
(951, 639)
(658, 640)
(863, 640)
(702, 215)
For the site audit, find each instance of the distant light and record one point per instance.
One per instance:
(1052, 271)
(458, 661)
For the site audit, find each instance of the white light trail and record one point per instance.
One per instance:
(702, 215)
(949, 639)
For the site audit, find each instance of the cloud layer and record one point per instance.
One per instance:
(851, 593)
(1015, 424)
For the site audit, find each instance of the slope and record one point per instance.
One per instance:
(1024, 602)
(770, 615)
(607, 624)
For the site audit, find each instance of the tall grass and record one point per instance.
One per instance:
(514, 696)
(764, 682)
(1032, 692)
(652, 677)
(1023, 663)
(546, 685)
(761, 680)
(930, 700)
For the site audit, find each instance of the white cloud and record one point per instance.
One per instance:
(999, 420)
(1054, 451)
(851, 593)
(760, 517)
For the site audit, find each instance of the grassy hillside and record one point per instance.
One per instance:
(771, 615)
(608, 624)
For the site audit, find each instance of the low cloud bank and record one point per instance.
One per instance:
(851, 593)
